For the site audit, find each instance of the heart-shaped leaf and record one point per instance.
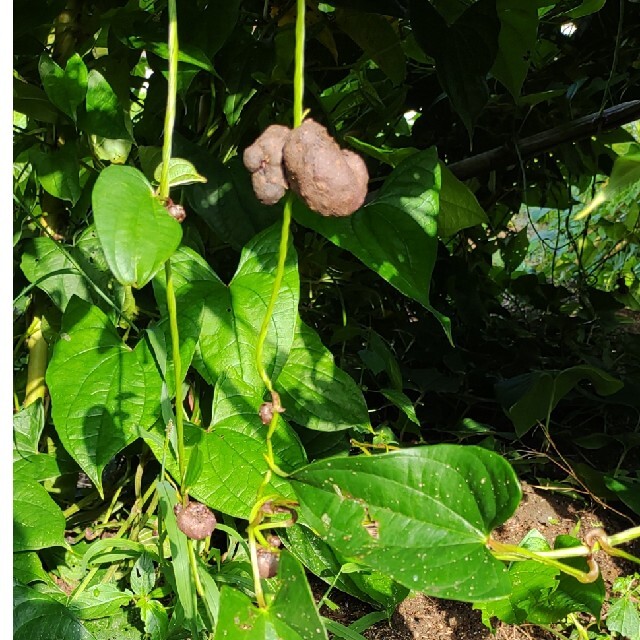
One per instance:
(101, 391)
(292, 615)
(421, 515)
(395, 234)
(38, 522)
(66, 88)
(135, 230)
(181, 172)
(36, 615)
(315, 392)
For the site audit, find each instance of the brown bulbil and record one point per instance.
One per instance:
(264, 159)
(268, 562)
(195, 520)
(175, 210)
(332, 181)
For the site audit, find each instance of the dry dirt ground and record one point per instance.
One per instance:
(423, 618)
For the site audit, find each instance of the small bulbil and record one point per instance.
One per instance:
(264, 160)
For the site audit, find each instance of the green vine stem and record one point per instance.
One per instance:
(595, 539)
(298, 93)
(163, 192)
(254, 530)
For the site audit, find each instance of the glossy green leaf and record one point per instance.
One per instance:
(389, 155)
(113, 150)
(37, 616)
(400, 400)
(181, 172)
(518, 33)
(136, 232)
(38, 522)
(104, 116)
(378, 40)
(66, 87)
(233, 449)
(54, 268)
(28, 424)
(442, 501)
(529, 398)
(232, 316)
(459, 208)
(315, 392)
(585, 8)
(395, 234)
(27, 568)
(99, 601)
(58, 172)
(101, 391)
(292, 615)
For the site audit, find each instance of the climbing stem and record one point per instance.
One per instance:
(172, 90)
(275, 291)
(298, 73)
(177, 370)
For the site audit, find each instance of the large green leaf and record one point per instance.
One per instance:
(395, 234)
(66, 87)
(233, 449)
(54, 269)
(315, 392)
(38, 522)
(431, 510)
(292, 615)
(101, 391)
(518, 33)
(136, 232)
(231, 317)
(59, 172)
(104, 116)
(459, 208)
(28, 424)
(27, 568)
(529, 398)
(36, 616)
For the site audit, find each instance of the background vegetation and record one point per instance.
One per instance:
(488, 294)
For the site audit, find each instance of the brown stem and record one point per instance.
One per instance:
(544, 141)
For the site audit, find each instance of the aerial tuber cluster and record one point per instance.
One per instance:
(330, 180)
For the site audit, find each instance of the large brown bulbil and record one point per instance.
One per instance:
(331, 181)
(195, 520)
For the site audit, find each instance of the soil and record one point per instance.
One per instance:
(420, 617)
